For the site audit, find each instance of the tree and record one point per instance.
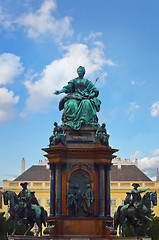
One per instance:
(3, 227)
(154, 231)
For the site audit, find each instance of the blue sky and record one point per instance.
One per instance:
(41, 45)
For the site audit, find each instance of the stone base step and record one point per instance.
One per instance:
(80, 237)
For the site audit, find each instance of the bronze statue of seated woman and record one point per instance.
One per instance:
(81, 103)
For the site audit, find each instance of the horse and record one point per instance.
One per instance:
(126, 215)
(36, 214)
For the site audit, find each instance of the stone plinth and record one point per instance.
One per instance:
(85, 135)
(79, 237)
(132, 238)
(73, 226)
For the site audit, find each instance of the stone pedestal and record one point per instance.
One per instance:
(74, 226)
(82, 161)
(95, 237)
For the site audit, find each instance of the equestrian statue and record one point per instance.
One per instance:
(135, 212)
(24, 208)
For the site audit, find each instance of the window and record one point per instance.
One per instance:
(37, 184)
(47, 184)
(113, 202)
(149, 184)
(47, 202)
(12, 184)
(124, 184)
(114, 184)
(122, 202)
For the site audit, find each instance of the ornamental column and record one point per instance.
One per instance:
(59, 188)
(107, 189)
(101, 190)
(52, 190)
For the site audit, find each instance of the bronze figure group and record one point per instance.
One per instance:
(135, 212)
(24, 207)
(80, 204)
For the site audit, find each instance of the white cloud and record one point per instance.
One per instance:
(155, 109)
(7, 103)
(133, 106)
(92, 35)
(5, 20)
(136, 155)
(155, 152)
(138, 83)
(153, 178)
(59, 72)
(42, 23)
(10, 67)
(133, 82)
(149, 165)
(131, 110)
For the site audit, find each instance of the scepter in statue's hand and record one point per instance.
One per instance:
(56, 92)
(96, 80)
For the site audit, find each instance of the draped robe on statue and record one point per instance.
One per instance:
(80, 104)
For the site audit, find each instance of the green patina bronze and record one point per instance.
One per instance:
(80, 104)
(135, 212)
(58, 135)
(80, 204)
(87, 201)
(24, 208)
(102, 135)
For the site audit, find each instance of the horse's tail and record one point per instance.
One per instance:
(117, 217)
(43, 216)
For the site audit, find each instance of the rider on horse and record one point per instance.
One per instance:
(136, 201)
(127, 198)
(33, 199)
(24, 196)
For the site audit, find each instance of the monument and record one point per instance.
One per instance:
(80, 158)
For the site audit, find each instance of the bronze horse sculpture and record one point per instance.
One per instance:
(37, 214)
(134, 218)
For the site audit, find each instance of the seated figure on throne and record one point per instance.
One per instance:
(81, 103)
